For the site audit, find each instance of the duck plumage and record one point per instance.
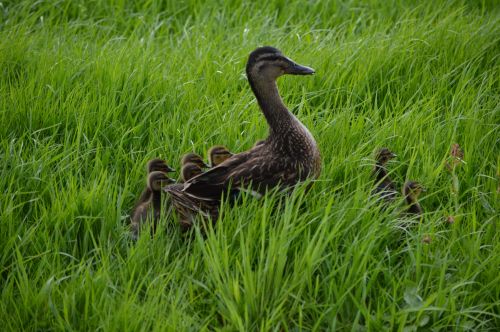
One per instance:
(190, 170)
(411, 192)
(384, 187)
(290, 153)
(218, 154)
(152, 206)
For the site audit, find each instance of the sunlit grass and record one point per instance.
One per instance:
(90, 91)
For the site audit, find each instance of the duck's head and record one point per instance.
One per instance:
(218, 154)
(194, 159)
(190, 170)
(269, 63)
(159, 165)
(157, 180)
(412, 189)
(383, 155)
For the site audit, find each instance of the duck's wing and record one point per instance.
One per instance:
(254, 172)
(187, 206)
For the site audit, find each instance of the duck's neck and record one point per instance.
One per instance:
(277, 115)
(380, 171)
(413, 205)
(156, 200)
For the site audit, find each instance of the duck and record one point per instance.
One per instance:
(411, 191)
(152, 206)
(218, 154)
(384, 187)
(153, 165)
(288, 155)
(194, 158)
(190, 170)
(158, 165)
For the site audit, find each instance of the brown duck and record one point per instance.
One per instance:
(152, 206)
(289, 154)
(190, 170)
(218, 154)
(194, 159)
(153, 165)
(384, 187)
(411, 191)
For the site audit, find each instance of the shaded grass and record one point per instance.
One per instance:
(91, 91)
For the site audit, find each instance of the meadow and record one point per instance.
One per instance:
(91, 90)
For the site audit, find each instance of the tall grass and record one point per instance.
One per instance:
(89, 91)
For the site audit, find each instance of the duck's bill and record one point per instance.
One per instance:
(297, 69)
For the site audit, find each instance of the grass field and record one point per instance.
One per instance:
(90, 90)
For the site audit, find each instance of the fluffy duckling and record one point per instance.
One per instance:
(383, 184)
(158, 165)
(190, 170)
(411, 191)
(156, 181)
(154, 165)
(218, 154)
(194, 159)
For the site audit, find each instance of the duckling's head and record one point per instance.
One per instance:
(269, 63)
(383, 155)
(159, 165)
(190, 170)
(218, 154)
(157, 180)
(194, 159)
(412, 189)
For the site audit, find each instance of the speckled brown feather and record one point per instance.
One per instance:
(289, 155)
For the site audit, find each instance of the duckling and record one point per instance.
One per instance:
(411, 191)
(190, 170)
(158, 165)
(383, 184)
(195, 159)
(218, 154)
(156, 181)
(289, 155)
(153, 165)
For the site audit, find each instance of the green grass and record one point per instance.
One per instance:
(89, 91)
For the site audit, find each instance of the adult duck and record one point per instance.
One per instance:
(288, 155)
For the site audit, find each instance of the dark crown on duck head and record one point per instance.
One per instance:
(190, 170)
(266, 58)
(218, 154)
(157, 180)
(193, 158)
(159, 165)
(412, 188)
(383, 155)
